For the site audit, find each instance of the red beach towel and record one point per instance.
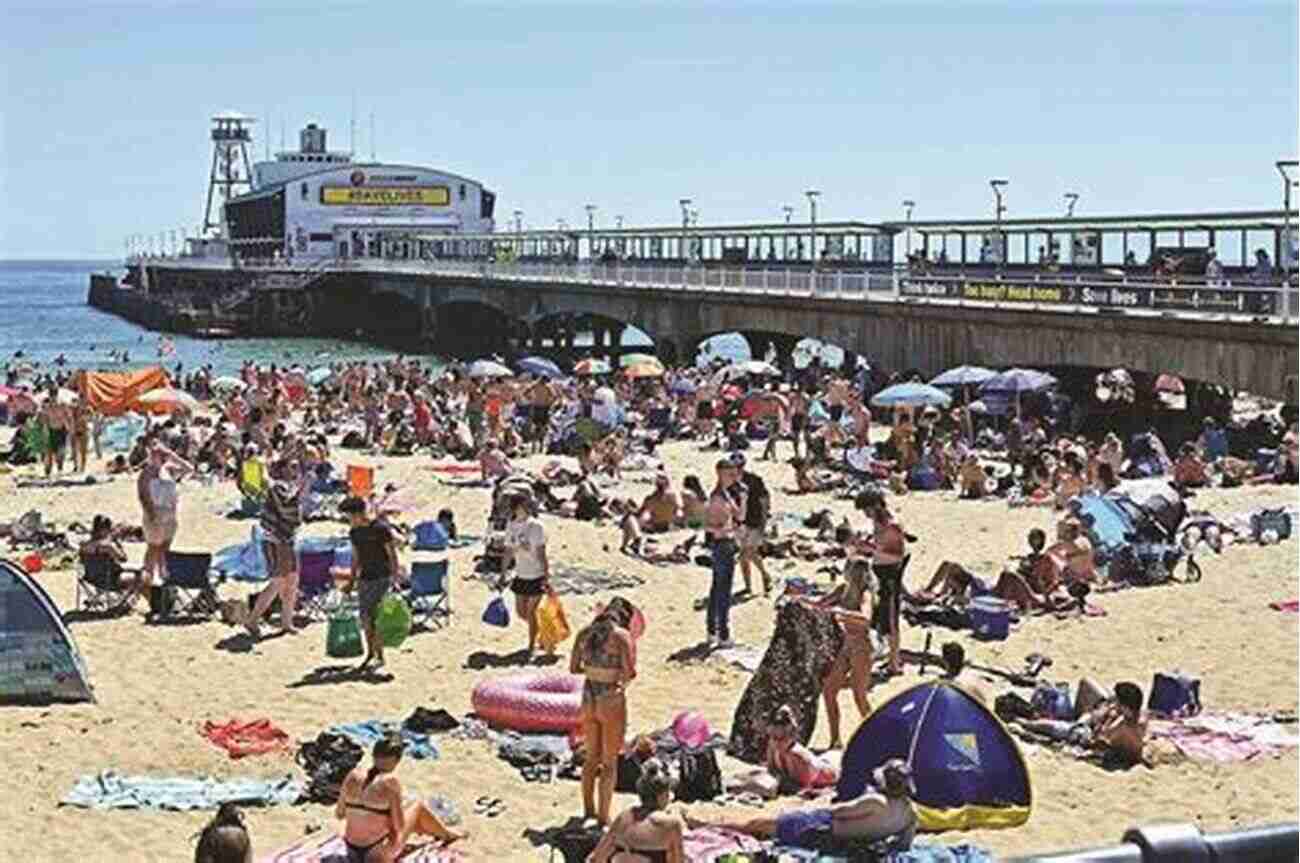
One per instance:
(246, 738)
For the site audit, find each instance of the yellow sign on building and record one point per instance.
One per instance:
(386, 196)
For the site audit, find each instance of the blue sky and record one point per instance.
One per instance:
(739, 105)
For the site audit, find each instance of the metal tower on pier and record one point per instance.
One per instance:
(230, 139)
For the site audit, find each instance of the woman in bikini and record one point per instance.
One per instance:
(603, 654)
(852, 667)
(647, 832)
(694, 502)
(370, 804)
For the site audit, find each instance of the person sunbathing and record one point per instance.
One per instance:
(1111, 725)
(493, 463)
(807, 480)
(952, 584)
(659, 511)
(883, 812)
(647, 832)
(1189, 469)
(789, 761)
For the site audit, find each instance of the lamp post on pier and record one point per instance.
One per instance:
(812, 216)
(519, 232)
(907, 211)
(686, 223)
(998, 209)
(1287, 168)
(591, 231)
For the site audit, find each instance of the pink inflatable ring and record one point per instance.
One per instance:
(530, 702)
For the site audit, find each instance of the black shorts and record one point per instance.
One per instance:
(889, 596)
(798, 422)
(704, 411)
(528, 586)
(836, 412)
(541, 416)
(58, 439)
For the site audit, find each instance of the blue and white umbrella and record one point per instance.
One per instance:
(318, 376)
(1018, 381)
(539, 366)
(911, 394)
(963, 376)
(488, 369)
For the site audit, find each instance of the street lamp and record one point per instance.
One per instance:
(1286, 167)
(686, 223)
(907, 210)
(812, 210)
(618, 222)
(591, 230)
(1071, 198)
(998, 209)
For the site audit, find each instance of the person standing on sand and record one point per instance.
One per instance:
(725, 510)
(888, 549)
(159, 503)
(603, 654)
(374, 568)
(281, 516)
(526, 542)
(57, 419)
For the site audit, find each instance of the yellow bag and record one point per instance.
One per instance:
(552, 625)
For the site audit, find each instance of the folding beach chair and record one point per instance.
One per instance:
(361, 481)
(189, 577)
(315, 583)
(93, 594)
(429, 595)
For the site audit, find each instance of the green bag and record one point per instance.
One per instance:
(393, 620)
(343, 638)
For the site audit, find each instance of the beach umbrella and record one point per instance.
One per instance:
(745, 369)
(911, 394)
(638, 359)
(963, 376)
(228, 383)
(165, 401)
(319, 375)
(683, 387)
(1017, 381)
(1169, 384)
(592, 366)
(488, 369)
(539, 366)
(644, 370)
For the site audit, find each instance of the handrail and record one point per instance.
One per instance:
(1185, 843)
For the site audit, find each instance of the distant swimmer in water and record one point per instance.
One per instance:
(18, 354)
(60, 360)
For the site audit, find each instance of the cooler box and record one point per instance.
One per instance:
(990, 618)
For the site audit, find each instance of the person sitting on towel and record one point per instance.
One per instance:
(882, 812)
(792, 763)
(647, 832)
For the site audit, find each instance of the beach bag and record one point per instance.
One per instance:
(552, 624)
(343, 637)
(1175, 694)
(393, 620)
(698, 776)
(496, 613)
(327, 760)
(1270, 519)
(627, 773)
(576, 843)
(1053, 701)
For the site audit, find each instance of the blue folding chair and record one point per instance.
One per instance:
(429, 595)
(189, 577)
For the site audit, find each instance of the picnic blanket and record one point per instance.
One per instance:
(330, 849)
(108, 789)
(584, 580)
(246, 738)
(364, 734)
(1226, 737)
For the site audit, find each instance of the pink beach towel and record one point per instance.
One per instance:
(1225, 737)
(1291, 605)
(331, 849)
(706, 844)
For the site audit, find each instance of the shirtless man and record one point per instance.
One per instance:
(798, 418)
(861, 422)
(659, 511)
(541, 398)
(1113, 725)
(58, 419)
(1073, 553)
(839, 393)
(79, 428)
(704, 419)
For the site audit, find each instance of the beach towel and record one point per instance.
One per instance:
(110, 790)
(584, 580)
(918, 853)
(330, 849)
(706, 844)
(1291, 605)
(1226, 737)
(364, 734)
(246, 738)
(467, 468)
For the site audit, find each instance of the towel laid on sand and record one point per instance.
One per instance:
(110, 790)
(1226, 737)
(246, 738)
(330, 849)
(1291, 605)
(918, 853)
(364, 734)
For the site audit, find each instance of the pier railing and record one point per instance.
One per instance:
(1190, 297)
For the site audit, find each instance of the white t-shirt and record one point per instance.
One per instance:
(526, 539)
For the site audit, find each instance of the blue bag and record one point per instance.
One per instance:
(1053, 701)
(1175, 694)
(496, 613)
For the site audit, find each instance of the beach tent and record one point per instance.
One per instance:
(968, 769)
(39, 661)
(114, 393)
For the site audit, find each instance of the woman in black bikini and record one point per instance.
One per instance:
(647, 832)
(370, 803)
(850, 604)
(602, 653)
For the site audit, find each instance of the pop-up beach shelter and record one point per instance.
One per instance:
(967, 767)
(39, 661)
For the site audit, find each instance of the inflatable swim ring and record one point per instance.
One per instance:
(530, 702)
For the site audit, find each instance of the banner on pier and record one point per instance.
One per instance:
(386, 196)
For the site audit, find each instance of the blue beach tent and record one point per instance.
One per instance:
(968, 769)
(39, 661)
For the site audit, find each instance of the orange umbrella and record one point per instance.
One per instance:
(644, 370)
(165, 401)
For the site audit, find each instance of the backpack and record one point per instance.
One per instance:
(327, 760)
(1175, 694)
(1270, 519)
(698, 776)
(1053, 701)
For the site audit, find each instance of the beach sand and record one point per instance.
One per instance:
(156, 684)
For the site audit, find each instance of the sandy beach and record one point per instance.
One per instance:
(156, 684)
